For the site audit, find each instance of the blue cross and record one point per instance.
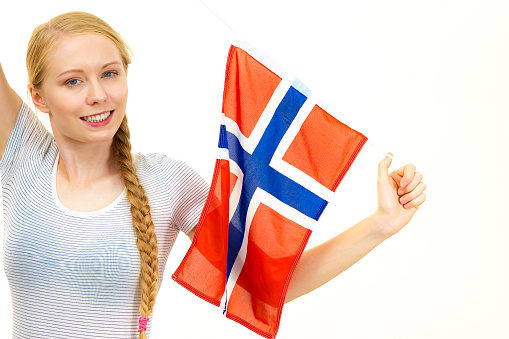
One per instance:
(258, 173)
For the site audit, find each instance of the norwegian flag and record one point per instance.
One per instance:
(280, 158)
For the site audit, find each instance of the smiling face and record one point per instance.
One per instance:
(84, 90)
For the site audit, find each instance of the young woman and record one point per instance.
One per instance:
(71, 199)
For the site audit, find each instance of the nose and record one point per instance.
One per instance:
(96, 93)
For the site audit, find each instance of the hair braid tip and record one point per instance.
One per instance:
(142, 323)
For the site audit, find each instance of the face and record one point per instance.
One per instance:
(84, 90)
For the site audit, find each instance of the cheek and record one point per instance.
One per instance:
(118, 96)
(119, 93)
(64, 102)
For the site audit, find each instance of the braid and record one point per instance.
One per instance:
(142, 221)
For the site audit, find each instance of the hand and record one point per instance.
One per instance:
(400, 194)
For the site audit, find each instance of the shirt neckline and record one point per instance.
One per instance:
(76, 213)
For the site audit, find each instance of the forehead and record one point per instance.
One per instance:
(87, 52)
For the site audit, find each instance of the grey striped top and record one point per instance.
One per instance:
(76, 274)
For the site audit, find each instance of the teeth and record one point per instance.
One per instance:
(97, 118)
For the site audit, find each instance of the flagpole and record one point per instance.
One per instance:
(388, 155)
(217, 16)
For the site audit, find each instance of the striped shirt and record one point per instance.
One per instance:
(76, 274)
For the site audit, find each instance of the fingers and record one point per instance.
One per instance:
(416, 202)
(407, 175)
(417, 178)
(415, 197)
(383, 169)
(407, 178)
(410, 186)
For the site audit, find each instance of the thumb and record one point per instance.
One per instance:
(383, 169)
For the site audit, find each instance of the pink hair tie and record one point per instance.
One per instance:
(143, 324)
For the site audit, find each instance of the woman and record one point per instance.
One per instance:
(70, 199)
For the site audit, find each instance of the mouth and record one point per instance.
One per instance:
(97, 118)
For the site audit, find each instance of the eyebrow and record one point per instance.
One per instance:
(77, 70)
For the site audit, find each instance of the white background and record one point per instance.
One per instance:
(428, 81)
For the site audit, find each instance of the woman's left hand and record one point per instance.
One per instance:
(400, 194)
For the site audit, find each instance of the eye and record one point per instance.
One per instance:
(72, 82)
(109, 74)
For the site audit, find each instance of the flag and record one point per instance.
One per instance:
(280, 159)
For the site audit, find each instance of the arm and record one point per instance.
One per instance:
(399, 196)
(10, 104)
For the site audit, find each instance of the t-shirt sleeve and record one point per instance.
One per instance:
(190, 191)
(28, 137)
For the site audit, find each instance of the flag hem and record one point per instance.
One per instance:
(195, 291)
(350, 162)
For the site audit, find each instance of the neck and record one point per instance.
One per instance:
(81, 162)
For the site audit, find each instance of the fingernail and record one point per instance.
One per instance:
(403, 201)
(403, 184)
(400, 192)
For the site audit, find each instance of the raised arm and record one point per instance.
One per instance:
(10, 104)
(399, 196)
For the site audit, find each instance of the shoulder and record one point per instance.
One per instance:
(158, 163)
(28, 140)
(155, 166)
(174, 187)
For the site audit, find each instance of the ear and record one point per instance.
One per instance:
(38, 99)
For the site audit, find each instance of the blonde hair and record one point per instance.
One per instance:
(43, 40)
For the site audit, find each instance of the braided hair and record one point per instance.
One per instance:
(142, 221)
